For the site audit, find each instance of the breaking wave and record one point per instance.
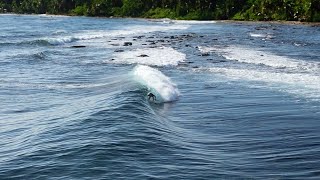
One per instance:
(157, 83)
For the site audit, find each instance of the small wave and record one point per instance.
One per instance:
(38, 42)
(162, 56)
(266, 36)
(60, 40)
(157, 83)
(40, 55)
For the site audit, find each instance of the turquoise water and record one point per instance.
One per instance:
(238, 100)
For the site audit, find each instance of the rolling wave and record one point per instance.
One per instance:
(157, 83)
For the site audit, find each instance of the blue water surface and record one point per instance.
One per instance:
(249, 104)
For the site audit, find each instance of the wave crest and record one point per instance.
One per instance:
(157, 83)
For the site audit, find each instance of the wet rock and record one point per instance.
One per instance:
(143, 55)
(115, 44)
(183, 64)
(205, 54)
(119, 50)
(138, 37)
(78, 46)
(127, 44)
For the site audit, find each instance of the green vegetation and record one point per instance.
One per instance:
(290, 10)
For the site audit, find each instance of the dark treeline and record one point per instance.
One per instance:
(297, 10)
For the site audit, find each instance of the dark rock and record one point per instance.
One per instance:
(138, 37)
(119, 50)
(215, 39)
(78, 46)
(172, 37)
(127, 44)
(144, 44)
(115, 44)
(143, 55)
(205, 54)
(182, 64)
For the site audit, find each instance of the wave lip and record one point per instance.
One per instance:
(157, 83)
(163, 56)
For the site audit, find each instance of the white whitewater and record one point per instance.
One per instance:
(157, 83)
(162, 56)
(260, 57)
(131, 30)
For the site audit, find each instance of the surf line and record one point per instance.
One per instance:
(161, 88)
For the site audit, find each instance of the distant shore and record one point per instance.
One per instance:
(315, 24)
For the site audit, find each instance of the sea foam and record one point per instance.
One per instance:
(162, 56)
(157, 83)
(300, 84)
(259, 57)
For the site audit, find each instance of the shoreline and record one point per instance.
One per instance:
(313, 24)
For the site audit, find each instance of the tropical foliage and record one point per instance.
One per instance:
(301, 10)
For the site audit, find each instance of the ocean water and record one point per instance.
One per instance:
(235, 100)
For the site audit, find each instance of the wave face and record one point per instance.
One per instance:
(234, 100)
(157, 83)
